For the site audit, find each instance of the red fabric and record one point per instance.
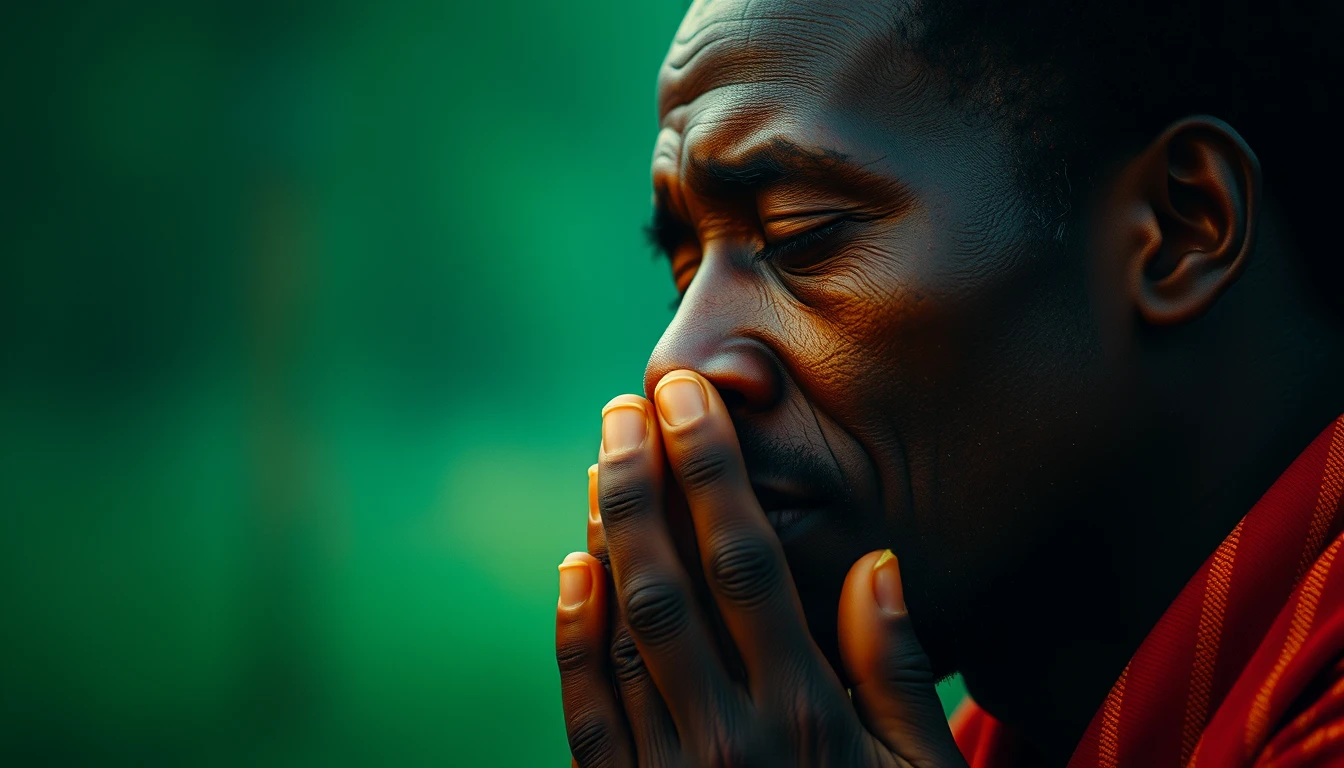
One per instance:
(1246, 667)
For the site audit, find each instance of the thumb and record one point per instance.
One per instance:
(891, 677)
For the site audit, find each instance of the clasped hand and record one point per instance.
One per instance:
(646, 684)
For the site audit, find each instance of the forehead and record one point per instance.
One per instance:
(804, 48)
(744, 73)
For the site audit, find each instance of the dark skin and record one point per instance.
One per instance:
(1050, 440)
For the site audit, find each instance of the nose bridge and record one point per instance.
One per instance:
(718, 340)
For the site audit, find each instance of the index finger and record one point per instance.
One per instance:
(743, 559)
(654, 591)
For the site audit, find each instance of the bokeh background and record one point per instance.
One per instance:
(308, 310)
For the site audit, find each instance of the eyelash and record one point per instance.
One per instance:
(800, 242)
(663, 234)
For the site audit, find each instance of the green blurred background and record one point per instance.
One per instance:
(308, 311)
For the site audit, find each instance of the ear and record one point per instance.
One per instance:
(1200, 182)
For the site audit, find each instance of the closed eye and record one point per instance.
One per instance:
(799, 245)
(674, 240)
(665, 233)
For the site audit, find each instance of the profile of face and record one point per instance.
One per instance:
(909, 361)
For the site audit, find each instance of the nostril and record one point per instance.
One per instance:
(734, 400)
(745, 372)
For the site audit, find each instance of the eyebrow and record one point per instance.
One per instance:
(762, 167)
(770, 163)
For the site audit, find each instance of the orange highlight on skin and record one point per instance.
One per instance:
(576, 582)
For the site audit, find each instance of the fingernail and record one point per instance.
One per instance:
(576, 582)
(594, 515)
(624, 426)
(887, 584)
(680, 400)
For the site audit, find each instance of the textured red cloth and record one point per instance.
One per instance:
(1246, 667)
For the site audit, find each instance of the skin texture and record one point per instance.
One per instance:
(681, 703)
(1049, 437)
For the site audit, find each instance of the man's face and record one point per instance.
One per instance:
(860, 276)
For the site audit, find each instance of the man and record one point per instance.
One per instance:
(995, 354)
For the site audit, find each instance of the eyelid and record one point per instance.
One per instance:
(685, 260)
(786, 227)
(804, 241)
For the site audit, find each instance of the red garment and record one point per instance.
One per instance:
(1246, 667)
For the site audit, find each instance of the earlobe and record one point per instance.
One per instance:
(1202, 183)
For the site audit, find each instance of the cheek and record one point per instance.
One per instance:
(917, 346)
(886, 319)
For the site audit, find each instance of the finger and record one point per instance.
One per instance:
(743, 560)
(893, 681)
(594, 720)
(651, 724)
(597, 536)
(653, 589)
(655, 735)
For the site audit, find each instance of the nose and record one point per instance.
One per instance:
(743, 370)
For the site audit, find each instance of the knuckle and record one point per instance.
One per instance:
(656, 612)
(745, 569)
(702, 467)
(621, 501)
(590, 741)
(627, 665)
(573, 658)
(910, 677)
(908, 665)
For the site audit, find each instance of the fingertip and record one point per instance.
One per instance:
(888, 592)
(858, 583)
(594, 511)
(576, 557)
(585, 558)
(709, 401)
(624, 400)
(860, 620)
(581, 582)
(628, 429)
(870, 560)
(857, 594)
(680, 373)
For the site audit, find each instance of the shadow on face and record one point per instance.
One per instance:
(862, 279)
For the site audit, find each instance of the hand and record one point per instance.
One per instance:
(649, 687)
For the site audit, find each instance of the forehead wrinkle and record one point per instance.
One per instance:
(689, 42)
(728, 64)
(715, 144)
(703, 130)
(757, 48)
(731, 125)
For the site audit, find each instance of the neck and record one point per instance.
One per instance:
(1084, 614)
(1217, 433)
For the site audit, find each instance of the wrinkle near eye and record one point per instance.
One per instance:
(664, 170)
(786, 227)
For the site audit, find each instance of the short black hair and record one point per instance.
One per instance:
(1080, 79)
